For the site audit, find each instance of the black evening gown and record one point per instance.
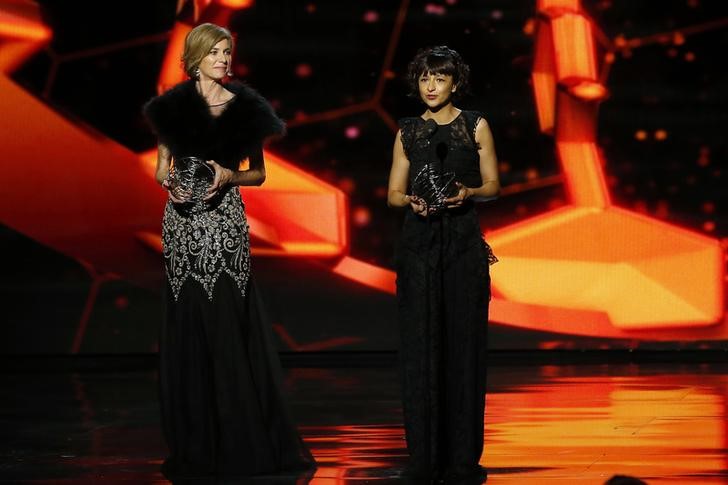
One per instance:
(443, 291)
(223, 412)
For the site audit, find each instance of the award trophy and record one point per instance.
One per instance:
(434, 186)
(191, 177)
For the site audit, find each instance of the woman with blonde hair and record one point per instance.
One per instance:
(223, 411)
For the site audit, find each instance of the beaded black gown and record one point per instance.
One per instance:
(222, 406)
(443, 292)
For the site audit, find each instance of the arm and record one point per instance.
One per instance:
(396, 193)
(490, 187)
(488, 163)
(164, 159)
(253, 175)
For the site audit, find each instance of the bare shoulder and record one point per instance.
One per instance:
(398, 138)
(483, 135)
(482, 125)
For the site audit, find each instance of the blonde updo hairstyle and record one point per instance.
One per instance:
(198, 43)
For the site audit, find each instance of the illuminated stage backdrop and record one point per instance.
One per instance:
(575, 268)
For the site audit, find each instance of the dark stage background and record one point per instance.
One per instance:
(334, 71)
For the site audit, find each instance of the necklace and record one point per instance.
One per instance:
(199, 90)
(220, 104)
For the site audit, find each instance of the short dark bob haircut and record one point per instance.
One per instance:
(439, 60)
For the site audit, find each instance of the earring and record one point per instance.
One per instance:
(229, 72)
(197, 73)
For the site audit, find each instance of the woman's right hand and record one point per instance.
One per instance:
(177, 194)
(418, 205)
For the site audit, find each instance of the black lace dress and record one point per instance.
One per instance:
(443, 291)
(223, 410)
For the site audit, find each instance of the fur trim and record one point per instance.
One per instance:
(181, 120)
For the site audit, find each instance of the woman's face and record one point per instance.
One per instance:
(215, 64)
(436, 89)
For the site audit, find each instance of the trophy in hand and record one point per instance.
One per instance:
(189, 178)
(434, 186)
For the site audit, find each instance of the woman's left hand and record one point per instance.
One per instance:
(223, 176)
(458, 199)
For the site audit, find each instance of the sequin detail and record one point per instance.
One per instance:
(203, 245)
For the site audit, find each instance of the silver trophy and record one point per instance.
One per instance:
(433, 187)
(189, 178)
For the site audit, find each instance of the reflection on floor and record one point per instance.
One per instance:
(665, 424)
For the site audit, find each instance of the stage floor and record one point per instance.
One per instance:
(566, 424)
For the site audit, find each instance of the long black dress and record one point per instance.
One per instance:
(443, 291)
(223, 412)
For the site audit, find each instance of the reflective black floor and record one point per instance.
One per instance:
(544, 425)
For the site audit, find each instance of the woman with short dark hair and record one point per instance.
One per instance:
(443, 160)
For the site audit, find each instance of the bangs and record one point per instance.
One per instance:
(437, 64)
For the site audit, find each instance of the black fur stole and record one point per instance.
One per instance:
(181, 120)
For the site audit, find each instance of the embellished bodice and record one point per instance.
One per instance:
(202, 246)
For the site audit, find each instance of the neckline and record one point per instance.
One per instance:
(444, 124)
(225, 106)
(222, 108)
(221, 104)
